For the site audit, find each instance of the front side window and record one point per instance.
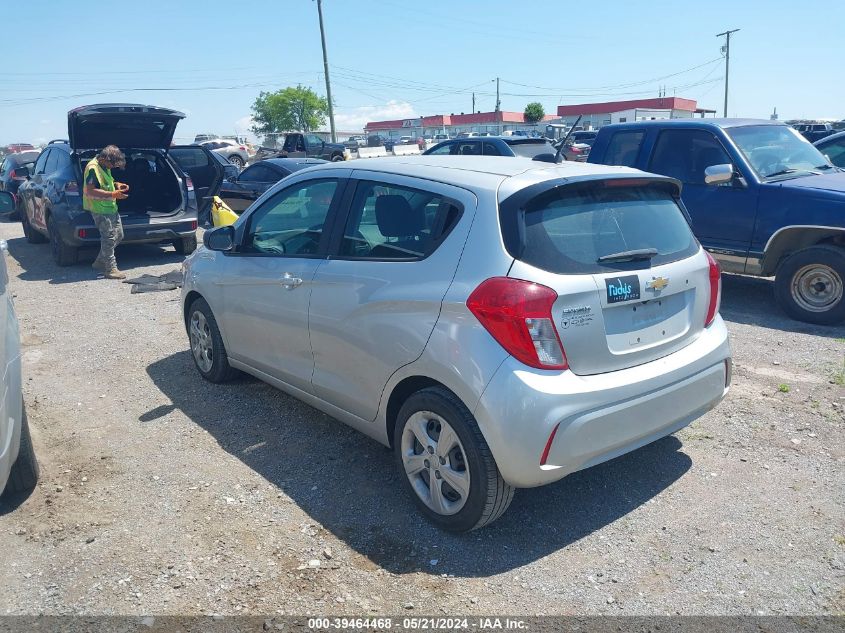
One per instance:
(291, 222)
(835, 152)
(313, 139)
(573, 229)
(390, 222)
(776, 151)
(443, 150)
(623, 148)
(685, 154)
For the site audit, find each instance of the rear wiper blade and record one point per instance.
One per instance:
(636, 254)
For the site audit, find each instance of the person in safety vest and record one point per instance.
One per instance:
(99, 197)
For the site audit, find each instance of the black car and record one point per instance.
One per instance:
(833, 147)
(240, 192)
(588, 137)
(13, 171)
(166, 182)
(496, 146)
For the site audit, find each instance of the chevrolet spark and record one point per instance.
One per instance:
(498, 322)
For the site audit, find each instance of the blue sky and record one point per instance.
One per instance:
(394, 59)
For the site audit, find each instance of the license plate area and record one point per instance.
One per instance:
(641, 324)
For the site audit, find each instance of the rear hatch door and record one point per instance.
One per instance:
(121, 124)
(648, 300)
(205, 172)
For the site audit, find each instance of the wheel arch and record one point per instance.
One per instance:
(192, 296)
(403, 390)
(791, 239)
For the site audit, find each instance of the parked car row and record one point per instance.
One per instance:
(169, 185)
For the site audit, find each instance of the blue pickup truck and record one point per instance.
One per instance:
(762, 200)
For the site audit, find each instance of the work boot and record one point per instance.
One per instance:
(114, 273)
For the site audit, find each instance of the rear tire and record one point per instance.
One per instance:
(32, 236)
(465, 459)
(236, 160)
(810, 285)
(337, 158)
(207, 347)
(63, 254)
(186, 245)
(24, 473)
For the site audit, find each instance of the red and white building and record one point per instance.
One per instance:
(596, 115)
(453, 124)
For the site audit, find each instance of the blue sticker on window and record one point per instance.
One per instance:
(622, 288)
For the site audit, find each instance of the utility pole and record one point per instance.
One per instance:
(498, 108)
(727, 49)
(473, 103)
(326, 67)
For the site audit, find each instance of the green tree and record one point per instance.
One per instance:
(292, 109)
(534, 112)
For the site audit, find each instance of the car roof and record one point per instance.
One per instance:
(293, 163)
(828, 139)
(694, 122)
(26, 156)
(483, 172)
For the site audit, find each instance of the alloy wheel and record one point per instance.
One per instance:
(435, 462)
(201, 342)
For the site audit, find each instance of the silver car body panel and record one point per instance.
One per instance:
(11, 403)
(370, 329)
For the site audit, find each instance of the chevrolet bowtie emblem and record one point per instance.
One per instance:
(657, 284)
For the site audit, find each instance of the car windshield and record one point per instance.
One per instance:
(776, 151)
(532, 149)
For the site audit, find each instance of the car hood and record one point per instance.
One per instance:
(122, 124)
(826, 182)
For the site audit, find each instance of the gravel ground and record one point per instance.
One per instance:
(161, 493)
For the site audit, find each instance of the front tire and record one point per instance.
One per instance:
(186, 245)
(24, 473)
(337, 158)
(207, 347)
(446, 464)
(810, 285)
(63, 254)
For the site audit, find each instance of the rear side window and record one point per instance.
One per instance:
(623, 148)
(532, 149)
(189, 158)
(390, 222)
(568, 229)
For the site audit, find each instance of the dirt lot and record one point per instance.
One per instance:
(161, 493)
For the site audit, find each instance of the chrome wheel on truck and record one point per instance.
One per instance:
(810, 284)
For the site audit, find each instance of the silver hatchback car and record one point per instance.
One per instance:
(499, 322)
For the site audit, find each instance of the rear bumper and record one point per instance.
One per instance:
(82, 231)
(597, 418)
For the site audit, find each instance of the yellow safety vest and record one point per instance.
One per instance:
(106, 183)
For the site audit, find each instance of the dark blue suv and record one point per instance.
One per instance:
(762, 200)
(168, 185)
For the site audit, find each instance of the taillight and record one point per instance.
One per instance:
(243, 149)
(715, 289)
(194, 225)
(189, 183)
(82, 233)
(518, 314)
(575, 150)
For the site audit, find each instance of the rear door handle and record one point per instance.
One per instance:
(290, 282)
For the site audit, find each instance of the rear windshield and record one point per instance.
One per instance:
(568, 229)
(530, 149)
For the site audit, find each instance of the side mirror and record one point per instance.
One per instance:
(545, 158)
(220, 239)
(7, 202)
(718, 174)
